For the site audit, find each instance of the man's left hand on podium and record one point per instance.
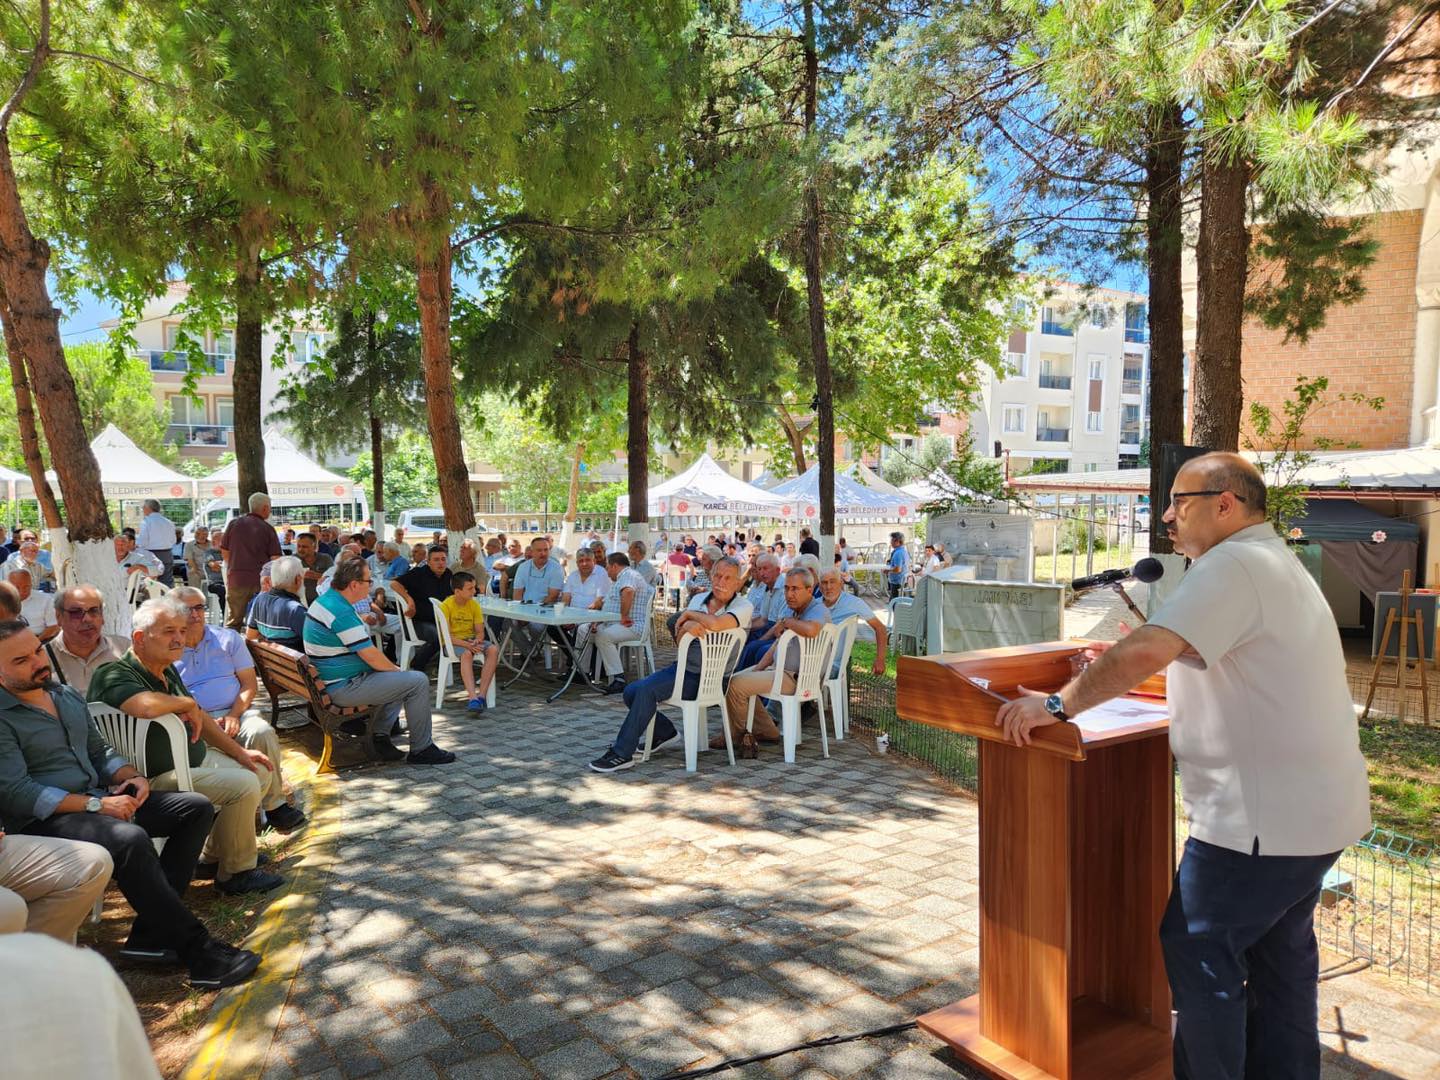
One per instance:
(1022, 715)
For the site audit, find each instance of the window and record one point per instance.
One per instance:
(1052, 321)
(184, 410)
(1092, 422)
(1018, 363)
(225, 412)
(225, 342)
(1137, 323)
(1097, 368)
(1130, 424)
(170, 335)
(314, 347)
(1014, 419)
(1101, 316)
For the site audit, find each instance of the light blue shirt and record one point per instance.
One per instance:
(208, 669)
(899, 564)
(850, 606)
(815, 611)
(536, 582)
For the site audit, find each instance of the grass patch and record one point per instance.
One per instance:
(1404, 763)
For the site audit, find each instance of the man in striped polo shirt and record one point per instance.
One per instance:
(356, 672)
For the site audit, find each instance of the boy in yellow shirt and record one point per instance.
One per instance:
(467, 628)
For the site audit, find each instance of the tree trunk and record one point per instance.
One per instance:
(249, 364)
(572, 504)
(432, 269)
(637, 437)
(1220, 258)
(25, 421)
(1164, 199)
(796, 438)
(35, 325)
(377, 431)
(819, 346)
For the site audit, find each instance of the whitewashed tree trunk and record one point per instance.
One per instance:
(93, 563)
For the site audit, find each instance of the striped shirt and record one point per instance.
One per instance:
(278, 616)
(334, 636)
(628, 578)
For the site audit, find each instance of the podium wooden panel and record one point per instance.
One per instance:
(1076, 859)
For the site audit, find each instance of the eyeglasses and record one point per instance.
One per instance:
(1177, 496)
(196, 609)
(84, 612)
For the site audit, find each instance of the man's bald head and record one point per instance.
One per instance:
(1224, 471)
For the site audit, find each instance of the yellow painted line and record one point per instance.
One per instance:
(236, 1040)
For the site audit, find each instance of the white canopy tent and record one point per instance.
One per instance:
(705, 489)
(12, 481)
(291, 477)
(127, 472)
(853, 500)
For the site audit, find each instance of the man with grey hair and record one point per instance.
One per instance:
(82, 646)
(157, 535)
(202, 564)
(145, 682)
(705, 558)
(277, 615)
(217, 670)
(249, 542)
(36, 608)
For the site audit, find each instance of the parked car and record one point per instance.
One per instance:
(1142, 517)
(428, 520)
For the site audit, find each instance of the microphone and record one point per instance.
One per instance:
(1146, 570)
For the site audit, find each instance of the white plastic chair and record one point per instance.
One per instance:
(134, 594)
(214, 614)
(450, 657)
(126, 735)
(815, 658)
(837, 686)
(903, 623)
(720, 650)
(408, 642)
(640, 613)
(674, 581)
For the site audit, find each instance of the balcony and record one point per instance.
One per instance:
(1054, 382)
(1052, 434)
(1136, 335)
(199, 434)
(168, 360)
(1059, 329)
(1130, 436)
(1131, 381)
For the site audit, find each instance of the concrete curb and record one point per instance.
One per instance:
(236, 1040)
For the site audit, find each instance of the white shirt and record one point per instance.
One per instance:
(585, 593)
(142, 557)
(38, 610)
(1262, 725)
(156, 531)
(738, 606)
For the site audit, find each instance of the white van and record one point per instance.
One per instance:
(427, 520)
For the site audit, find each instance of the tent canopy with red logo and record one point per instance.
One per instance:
(705, 490)
(853, 500)
(289, 476)
(127, 472)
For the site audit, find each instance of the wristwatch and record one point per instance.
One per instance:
(1056, 708)
(92, 805)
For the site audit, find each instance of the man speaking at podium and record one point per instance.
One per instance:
(1274, 785)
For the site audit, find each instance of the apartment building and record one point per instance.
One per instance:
(203, 426)
(1074, 396)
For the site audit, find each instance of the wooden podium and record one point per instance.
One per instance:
(1077, 849)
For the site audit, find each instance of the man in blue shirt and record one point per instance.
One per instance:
(356, 672)
(899, 562)
(808, 614)
(277, 615)
(538, 580)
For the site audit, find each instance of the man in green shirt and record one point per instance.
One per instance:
(144, 683)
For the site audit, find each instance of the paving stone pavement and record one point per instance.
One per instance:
(515, 914)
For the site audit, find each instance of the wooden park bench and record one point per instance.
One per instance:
(287, 672)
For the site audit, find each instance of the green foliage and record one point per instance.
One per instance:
(535, 465)
(409, 474)
(902, 468)
(967, 479)
(111, 390)
(1305, 265)
(1287, 449)
(601, 500)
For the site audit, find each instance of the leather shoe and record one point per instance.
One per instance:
(255, 880)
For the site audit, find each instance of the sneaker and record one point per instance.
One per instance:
(251, 881)
(476, 704)
(216, 966)
(673, 740)
(284, 819)
(140, 952)
(611, 762)
(206, 871)
(386, 750)
(431, 755)
(616, 686)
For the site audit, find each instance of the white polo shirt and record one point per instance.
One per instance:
(1262, 725)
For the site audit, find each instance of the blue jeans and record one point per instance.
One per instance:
(1239, 943)
(643, 698)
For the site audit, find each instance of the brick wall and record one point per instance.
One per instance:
(1367, 347)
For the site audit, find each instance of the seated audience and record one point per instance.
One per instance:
(642, 565)
(219, 673)
(314, 561)
(49, 885)
(467, 634)
(707, 557)
(203, 565)
(538, 580)
(808, 544)
(36, 608)
(82, 647)
(807, 615)
(328, 541)
(415, 589)
(627, 590)
(144, 682)
(586, 585)
(29, 558)
(277, 615)
(787, 560)
(718, 609)
(392, 560)
(842, 606)
(135, 560)
(766, 596)
(59, 778)
(418, 553)
(468, 559)
(356, 672)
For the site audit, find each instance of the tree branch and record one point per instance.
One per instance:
(111, 63)
(38, 56)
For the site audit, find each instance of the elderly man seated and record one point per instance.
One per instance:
(641, 564)
(537, 580)
(29, 557)
(719, 609)
(807, 615)
(135, 560)
(356, 672)
(217, 668)
(627, 594)
(49, 885)
(144, 682)
(58, 778)
(842, 606)
(36, 608)
(314, 561)
(82, 647)
(203, 565)
(277, 615)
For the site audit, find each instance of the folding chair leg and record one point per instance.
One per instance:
(690, 721)
(789, 726)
